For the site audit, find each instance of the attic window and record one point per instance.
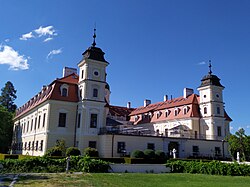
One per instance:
(64, 90)
(158, 114)
(167, 113)
(185, 110)
(136, 117)
(176, 111)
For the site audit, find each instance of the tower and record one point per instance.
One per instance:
(213, 124)
(92, 83)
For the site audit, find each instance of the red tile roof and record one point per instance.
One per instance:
(52, 92)
(119, 111)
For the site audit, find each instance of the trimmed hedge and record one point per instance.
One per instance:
(49, 165)
(211, 168)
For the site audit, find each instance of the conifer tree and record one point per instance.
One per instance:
(8, 96)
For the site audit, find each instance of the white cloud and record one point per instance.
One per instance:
(43, 31)
(202, 63)
(27, 36)
(48, 31)
(47, 39)
(11, 57)
(54, 52)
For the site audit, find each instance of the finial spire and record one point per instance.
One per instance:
(210, 68)
(94, 36)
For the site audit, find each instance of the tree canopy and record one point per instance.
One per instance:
(6, 129)
(8, 96)
(240, 142)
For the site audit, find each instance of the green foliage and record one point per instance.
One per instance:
(8, 96)
(159, 154)
(137, 154)
(6, 129)
(211, 168)
(58, 150)
(93, 165)
(149, 154)
(73, 151)
(239, 142)
(91, 152)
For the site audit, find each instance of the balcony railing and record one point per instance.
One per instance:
(147, 132)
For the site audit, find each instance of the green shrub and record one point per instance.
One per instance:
(137, 154)
(159, 154)
(149, 154)
(54, 151)
(91, 152)
(211, 168)
(73, 151)
(93, 165)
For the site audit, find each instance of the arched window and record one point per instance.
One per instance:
(64, 92)
(205, 110)
(95, 92)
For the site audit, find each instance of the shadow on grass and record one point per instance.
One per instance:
(32, 177)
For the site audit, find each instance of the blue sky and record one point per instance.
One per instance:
(154, 47)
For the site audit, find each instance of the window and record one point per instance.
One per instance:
(27, 126)
(64, 92)
(41, 145)
(219, 131)
(36, 145)
(166, 132)
(62, 120)
(44, 118)
(79, 121)
(185, 110)
(167, 113)
(33, 145)
(29, 146)
(121, 147)
(205, 96)
(92, 144)
(25, 145)
(195, 134)
(31, 126)
(218, 110)
(93, 121)
(24, 127)
(176, 112)
(35, 123)
(80, 96)
(136, 117)
(82, 73)
(205, 110)
(151, 146)
(195, 150)
(158, 114)
(95, 92)
(39, 120)
(217, 151)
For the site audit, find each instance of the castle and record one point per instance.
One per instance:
(77, 109)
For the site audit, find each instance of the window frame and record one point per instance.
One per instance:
(62, 120)
(93, 120)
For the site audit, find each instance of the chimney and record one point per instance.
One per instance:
(187, 92)
(128, 105)
(147, 102)
(165, 97)
(67, 71)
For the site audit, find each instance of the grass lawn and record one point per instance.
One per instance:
(130, 180)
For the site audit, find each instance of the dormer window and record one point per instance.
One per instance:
(176, 111)
(64, 90)
(167, 113)
(136, 117)
(185, 110)
(158, 114)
